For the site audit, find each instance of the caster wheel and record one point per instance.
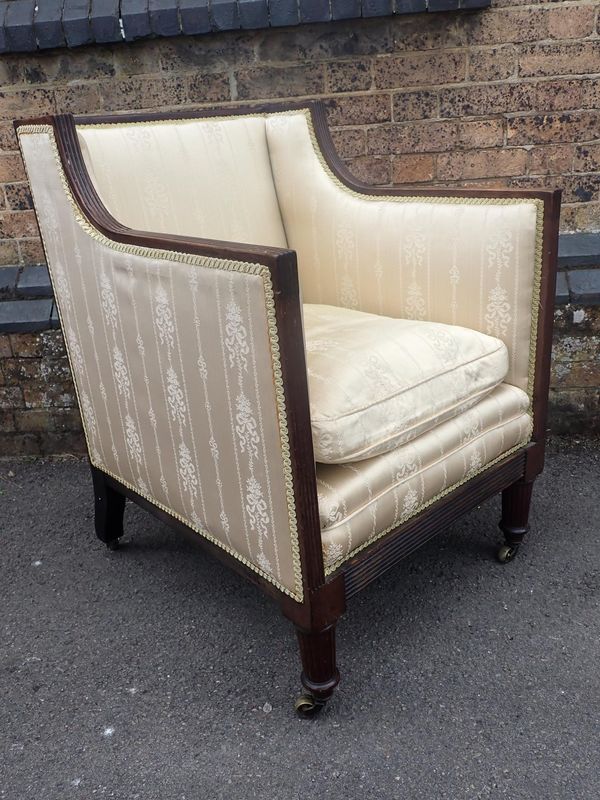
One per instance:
(307, 706)
(113, 544)
(507, 553)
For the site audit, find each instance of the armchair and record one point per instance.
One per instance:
(313, 375)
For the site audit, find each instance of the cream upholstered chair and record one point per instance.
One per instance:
(310, 446)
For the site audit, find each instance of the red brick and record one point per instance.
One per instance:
(552, 159)
(72, 442)
(419, 69)
(21, 370)
(18, 225)
(60, 66)
(5, 348)
(481, 164)
(567, 127)
(32, 251)
(413, 137)
(413, 169)
(24, 104)
(11, 397)
(510, 98)
(591, 93)
(529, 25)
(349, 76)
(364, 109)
(424, 137)
(27, 345)
(492, 64)
(142, 93)
(31, 420)
(59, 420)
(576, 374)
(481, 133)
(186, 53)
(19, 444)
(7, 421)
(49, 396)
(268, 82)
(8, 139)
(371, 169)
(510, 25)
(307, 43)
(579, 188)
(580, 217)
(574, 22)
(426, 32)
(560, 59)
(82, 98)
(587, 158)
(18, 196)
(349, 142)
(576, 188)
(9, 252)
(415, 105)
(11, 168)
(208, 88)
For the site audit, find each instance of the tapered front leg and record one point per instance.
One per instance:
(516, 500)
(320, 674)
(109, 507)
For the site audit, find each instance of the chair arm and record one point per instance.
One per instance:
(188, 361)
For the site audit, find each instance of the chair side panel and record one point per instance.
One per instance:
(173, 363)
(466, 261)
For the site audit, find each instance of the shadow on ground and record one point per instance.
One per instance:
(155, 673)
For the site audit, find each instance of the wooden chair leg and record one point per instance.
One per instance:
(516, 500)
(109, 507)
(320, 674)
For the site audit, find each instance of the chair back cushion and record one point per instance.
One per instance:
(206, 177)
(376, 382)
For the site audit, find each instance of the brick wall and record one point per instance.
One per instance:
(508, 96)
(38, 411)
(504, 96)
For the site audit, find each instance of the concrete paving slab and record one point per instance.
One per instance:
(156, 673)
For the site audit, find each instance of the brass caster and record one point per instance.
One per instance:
(507, 552)
(308, 706)
(113, 544)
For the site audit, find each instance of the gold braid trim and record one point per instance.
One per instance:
(210, 263)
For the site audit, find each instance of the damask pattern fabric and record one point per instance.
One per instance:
(359, 502)
(458, 262)
(377, 382)
(174, 372)
(209, 178)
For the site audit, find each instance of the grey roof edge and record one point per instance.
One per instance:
(578, 250)
(55, 21)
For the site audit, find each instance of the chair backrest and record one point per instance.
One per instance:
(262, 179)
(208, 177)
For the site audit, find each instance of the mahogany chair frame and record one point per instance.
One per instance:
(325, 597)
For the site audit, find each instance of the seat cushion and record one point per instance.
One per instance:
(360, 502)
(377, 382)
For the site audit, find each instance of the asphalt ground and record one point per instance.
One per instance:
(156, 673)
